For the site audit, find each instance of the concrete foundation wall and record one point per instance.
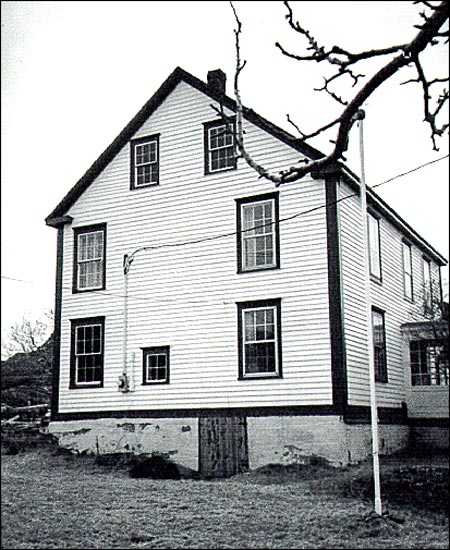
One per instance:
(290, 440)
(271, 440)
(430, 437)
(177, 437)
(391, 438)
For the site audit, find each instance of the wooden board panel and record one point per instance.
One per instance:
(223, 446)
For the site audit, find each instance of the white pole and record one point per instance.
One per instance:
(373, 397)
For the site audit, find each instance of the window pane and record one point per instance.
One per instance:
(379, 346)
(374, 246)
(429, 363)
(156, 366)
(258, 235)
(260, 358)
(407, 270)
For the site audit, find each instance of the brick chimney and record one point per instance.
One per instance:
(216, 82)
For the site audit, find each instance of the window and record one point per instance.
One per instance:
(429, 363)
(407, 271)
(373, 227)
(86, 365)
(145, 162)
(427, 287)
(379, 346)
(259, 328)
(156, 365)
(258, 233)
(220, 153)
(89, 258)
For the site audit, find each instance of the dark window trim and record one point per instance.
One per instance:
(383, 379)
(375, 215)
(140, 141)
(152, 350)
(409, 245)
(241, 306)
(206, 127)
(79, 231)
(74, 324)
(248, 200)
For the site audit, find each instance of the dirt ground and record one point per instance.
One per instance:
(56, 500)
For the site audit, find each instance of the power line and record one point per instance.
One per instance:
(234, 233)
(299, 214)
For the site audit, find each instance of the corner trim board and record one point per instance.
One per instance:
(337, 336)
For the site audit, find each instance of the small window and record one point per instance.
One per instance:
(379, 346)
(427, 287)
(407, 271)
(373, 227)
(156, 365)
(258, 233)
(89, 258)
(429, 363)
(86, 366)
(220, 151)
(259, 326)
(145, 162)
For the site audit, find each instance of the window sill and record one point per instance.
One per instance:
(208, 173)
(261, 377)
(146, 186)
(84, 291)
(162, 383)
(376, 279)
(258, 269)
(85, 387)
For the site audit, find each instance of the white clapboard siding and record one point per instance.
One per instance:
(388, 296)
(185, 296)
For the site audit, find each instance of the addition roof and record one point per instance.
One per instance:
(58, 216)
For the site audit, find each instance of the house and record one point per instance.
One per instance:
(203, 313)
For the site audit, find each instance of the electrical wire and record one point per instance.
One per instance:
(234, 233)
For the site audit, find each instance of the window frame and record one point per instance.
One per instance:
(76, 324)
(240, 232)
(383, 375)
(426, 371)
(408, 277)
(134, 143)
(77, 232)
(207, 126)
(427, 286)
(373, 275)
(155, 350)
(242, 307)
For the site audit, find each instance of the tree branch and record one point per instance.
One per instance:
(406, 54)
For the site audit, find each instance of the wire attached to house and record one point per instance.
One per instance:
(234, 233)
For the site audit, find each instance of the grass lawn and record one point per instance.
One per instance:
(54, 500)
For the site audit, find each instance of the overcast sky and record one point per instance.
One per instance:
(75, 73)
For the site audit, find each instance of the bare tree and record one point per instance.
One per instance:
(27, 335)
(346, 65)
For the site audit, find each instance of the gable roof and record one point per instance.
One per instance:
(178, 75)
(58, 216)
